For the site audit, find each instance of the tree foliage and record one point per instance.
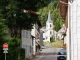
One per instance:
(13, 48)
(16, 18)
(16, 15)
(53, 6)
(3, 36)
(12, 14)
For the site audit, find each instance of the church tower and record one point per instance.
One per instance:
(49, 28)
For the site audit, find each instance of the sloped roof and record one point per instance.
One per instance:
(49, 18)
(43, 29)
(62, 30)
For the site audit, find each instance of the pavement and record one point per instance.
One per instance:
(48, 49)
(47, 53)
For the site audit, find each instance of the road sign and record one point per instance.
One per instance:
(5, 51)
(5, 48)
(5, 45)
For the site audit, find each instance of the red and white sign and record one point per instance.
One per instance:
(5, 51)
(5, 46)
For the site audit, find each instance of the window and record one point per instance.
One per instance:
(50, 32)
(50, 25)
(46, 37)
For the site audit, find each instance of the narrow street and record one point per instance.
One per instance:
(45, 57)
(48, 53)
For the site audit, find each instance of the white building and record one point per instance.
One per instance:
(61, 32)
(26, 43)
(48, 30)
(35, 32)
(28, 38)
(73, 28)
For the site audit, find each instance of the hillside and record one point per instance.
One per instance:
(53, 6)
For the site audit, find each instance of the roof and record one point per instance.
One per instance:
(43, 29)
(49, 18)
(62, 30)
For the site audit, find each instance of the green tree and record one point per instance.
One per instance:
(16, 18)
(54, 10)
(13, 48)
(3, 29)
(53, 6)
(3, 35)
(57, 25)
(12, 14)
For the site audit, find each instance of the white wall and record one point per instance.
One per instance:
(48, 26)
(26, 37)
(48, 29)
(74, 18)
(26, 42)
(33, 31)
(36, 34)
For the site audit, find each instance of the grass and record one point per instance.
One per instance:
(46, 43)
(56, 44)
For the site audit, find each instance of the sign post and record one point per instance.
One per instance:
(5, 48)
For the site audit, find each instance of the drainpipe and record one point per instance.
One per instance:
(34, 40)
(34, 47)
(69, 26)
(69, 35)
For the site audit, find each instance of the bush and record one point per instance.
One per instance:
(52, 40)
(22, 54)
(57, 44)
(13, 51)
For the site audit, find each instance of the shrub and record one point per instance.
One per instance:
(22, 54)
(52, 40)
(57, 44)
(13, 50)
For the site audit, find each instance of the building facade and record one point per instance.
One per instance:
(48, 30)
(73, 28)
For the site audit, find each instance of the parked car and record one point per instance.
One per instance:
(62, 54)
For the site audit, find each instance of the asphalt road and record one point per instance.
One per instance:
(48, 53)
(45, 57)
